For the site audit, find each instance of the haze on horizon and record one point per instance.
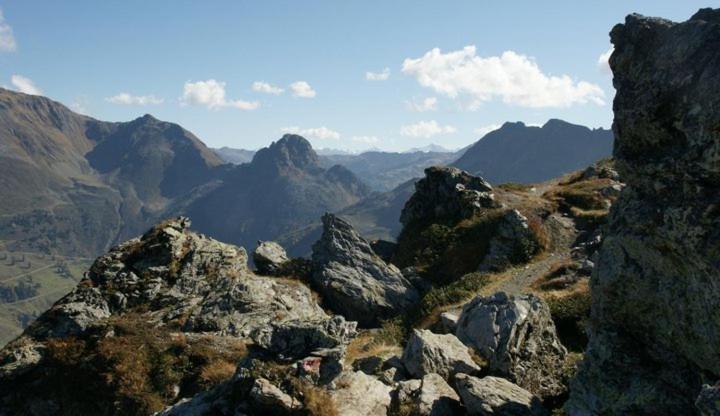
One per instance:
(348, 76)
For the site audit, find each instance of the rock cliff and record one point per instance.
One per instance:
(655, 325)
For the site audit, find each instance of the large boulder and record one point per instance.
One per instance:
(427, 353)
(496, 396)
(358, 394)
(512, 243)
(299, 338)
(429, 396)
(353, 280)
(656, 285)
(269, 257)
(447, 193)
(517, 338)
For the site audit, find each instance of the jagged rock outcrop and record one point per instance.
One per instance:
(353, 280)
(429, 396)
(298, 338)
(447, 194)
(654, 321)
(173, 295)
(516, 336)
(496, 396)
(269, 257)
(427, 353)
(512, 243)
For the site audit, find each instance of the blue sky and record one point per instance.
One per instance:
(302, 66)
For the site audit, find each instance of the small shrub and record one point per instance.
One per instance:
(570, 312)
(215, 373)
(458, 291)
(392, 332)
(316, 401)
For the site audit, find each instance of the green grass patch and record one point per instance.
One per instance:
(442, 253)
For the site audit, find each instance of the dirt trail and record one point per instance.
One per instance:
(563, 234)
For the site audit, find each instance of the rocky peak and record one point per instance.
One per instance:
(353, 280)
(291, 151)
(653, 339)
(447, 193)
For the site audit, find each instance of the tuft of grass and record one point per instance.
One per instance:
(513, 186)
(458, 291)
(570, 310)
(317, 401)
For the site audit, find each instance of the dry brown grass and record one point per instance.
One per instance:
(317, 402)
(216, 372)
(371, 343)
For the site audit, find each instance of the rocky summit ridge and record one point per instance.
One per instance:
(580, 295)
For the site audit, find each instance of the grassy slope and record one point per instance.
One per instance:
(42, 271)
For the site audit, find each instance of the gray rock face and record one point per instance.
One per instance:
(512, 243)
(447, 193)
(265, 394)
(269, 257)
(353, 280)
(427, 353)
(656, 296)
(299, 338)
(430, 396)
(175, 274)
(517, 337)
(496, 396)
(359, 394)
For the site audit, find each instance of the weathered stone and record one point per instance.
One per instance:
(427, 353)
(447, 193)
(654, 322)
(358, 394)
(353, 280)
(516, 336)
(512, 243)
(178, 277)
(269, 257)
(448, 322)
(496, 396)
(299, 338)
(267, 396)
(431, 396)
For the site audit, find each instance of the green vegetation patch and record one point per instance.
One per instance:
(442, 253)
(131, 367)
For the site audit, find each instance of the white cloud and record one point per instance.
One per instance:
(302, 89)
(365, 139)
(426, 129)
(128, 99)
(264, 87)
(512, 77)
(25, 85)
(378, 76)
(7, 39)
(322, 133)
(211, 94)
(482, 131)
(427, 104)
(603, 61)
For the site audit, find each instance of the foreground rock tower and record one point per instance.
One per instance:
(656, 290)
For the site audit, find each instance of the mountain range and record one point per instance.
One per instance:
(528, 154)
(74, 186)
